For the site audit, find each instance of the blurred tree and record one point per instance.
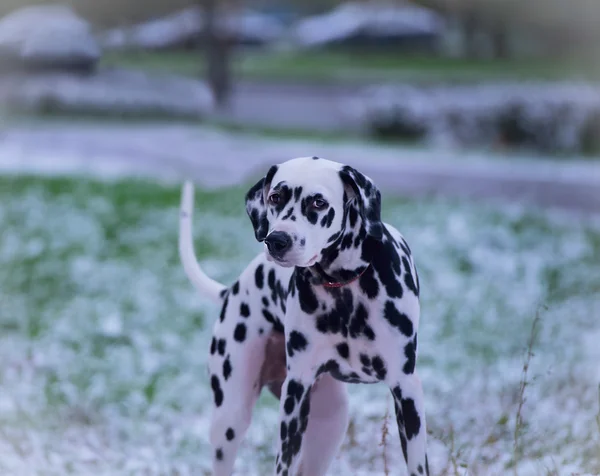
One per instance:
(217, 49)
(570, 25)
(567, 26)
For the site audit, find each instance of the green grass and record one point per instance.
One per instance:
(328, 66)
(104, 341)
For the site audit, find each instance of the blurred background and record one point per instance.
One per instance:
(478, 119)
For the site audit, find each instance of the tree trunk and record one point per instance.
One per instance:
(217, 51)
(500, 41)
(469, 33)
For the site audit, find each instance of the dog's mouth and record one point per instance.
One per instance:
(288, 264)
(279, 261)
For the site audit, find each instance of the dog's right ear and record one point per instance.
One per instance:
(256, 204)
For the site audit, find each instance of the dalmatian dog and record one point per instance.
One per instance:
(333, 299)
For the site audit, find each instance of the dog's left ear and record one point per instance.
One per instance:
(256, 204)
(369, 199)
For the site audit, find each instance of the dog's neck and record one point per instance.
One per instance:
(347, 257)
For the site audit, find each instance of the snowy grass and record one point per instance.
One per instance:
(104, 343)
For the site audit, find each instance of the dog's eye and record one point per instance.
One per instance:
(319, 204)
(274, 198)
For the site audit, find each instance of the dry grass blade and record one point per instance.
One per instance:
(517, 449)
(384, 434)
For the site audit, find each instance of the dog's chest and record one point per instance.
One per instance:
(350, 327)
(347, 314)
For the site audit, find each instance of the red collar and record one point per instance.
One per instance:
(330, 284)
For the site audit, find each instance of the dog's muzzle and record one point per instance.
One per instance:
(278, 243)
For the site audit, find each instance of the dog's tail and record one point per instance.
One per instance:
(203, 283)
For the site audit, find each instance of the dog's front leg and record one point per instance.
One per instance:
(294, 412)
(327, 425)
(410, 417)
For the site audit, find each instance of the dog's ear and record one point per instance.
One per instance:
(369, 199)
(256, 204)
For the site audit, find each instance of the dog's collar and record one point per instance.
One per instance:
(328, 282)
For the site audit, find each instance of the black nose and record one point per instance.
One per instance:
(278, 242)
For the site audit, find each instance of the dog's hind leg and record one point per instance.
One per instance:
(235, 366)
(327, 424)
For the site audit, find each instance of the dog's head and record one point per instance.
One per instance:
(300, 208)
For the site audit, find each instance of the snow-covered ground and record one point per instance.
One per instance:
(103, 342)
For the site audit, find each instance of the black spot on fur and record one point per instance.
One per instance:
(404, 245)
(315, 158)
(277, 325)
(235, 288)
(358, 323)
(230, 434)
(213, 346)
(244, 310)
(408, 278)
(271, 280)
(360, 237)
(379, 367)
(308, 300)
(334, 237)
(404, 445)
(265, 301)
(412, 422)
(221, 345)
(310, 213)
(219, 454)
(217, 391)
(420, 469)
(304, 412)
(239, 334)
(296, 343)
(289, 405)
(347, 241)
(295, 389)
(259, 276)
(285, 194)
(368, 284)
(288, 214)
(386, 262)
(398, 319)
(344, 319)
(417, 283)
(343, 350)
(331, 366)
(369, 199)
(327, 220)
(297, 193)
(409, 352)
(352, 215)
(227, 368)
(224, 308)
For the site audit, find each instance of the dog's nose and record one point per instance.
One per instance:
(278, 242)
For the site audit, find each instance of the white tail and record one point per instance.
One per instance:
(203, 283)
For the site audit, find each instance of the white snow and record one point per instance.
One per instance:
(104, 342)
